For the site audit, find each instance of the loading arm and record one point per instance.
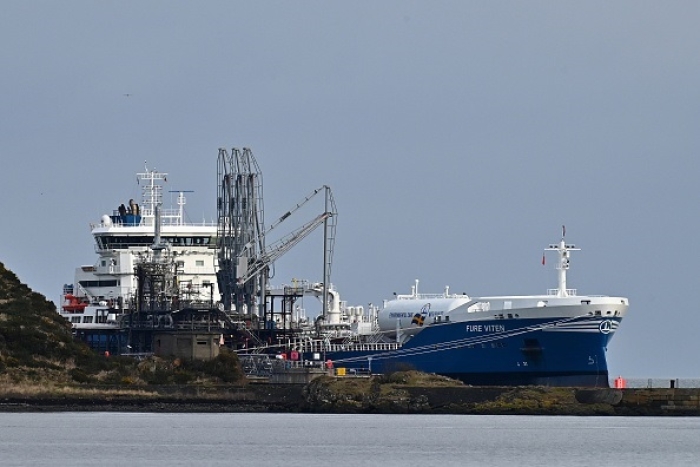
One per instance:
(270, 254)
(282, 246)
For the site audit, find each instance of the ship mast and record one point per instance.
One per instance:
(563, 264)
(151, 193)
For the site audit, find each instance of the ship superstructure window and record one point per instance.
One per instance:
(199, 263)
(187, 241)
(111, 283)
(115, 242)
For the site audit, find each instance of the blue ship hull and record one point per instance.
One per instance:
(497, 352)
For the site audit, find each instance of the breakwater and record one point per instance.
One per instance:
(371, 395)
(342, 397)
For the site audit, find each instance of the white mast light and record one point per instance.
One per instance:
(563, 249)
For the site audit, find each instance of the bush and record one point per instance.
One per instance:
(159, 376)
(127, 381)
(79, 376)
(225, 366)
(182, 377)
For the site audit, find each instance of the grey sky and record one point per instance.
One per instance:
(457, 138)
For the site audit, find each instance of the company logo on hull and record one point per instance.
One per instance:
(419, 318)
(606, 326)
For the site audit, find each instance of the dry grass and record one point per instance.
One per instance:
(28, 390)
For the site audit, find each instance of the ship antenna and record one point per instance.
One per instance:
(563, 264)
(181, 204)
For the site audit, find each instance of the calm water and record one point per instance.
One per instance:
(146, 439)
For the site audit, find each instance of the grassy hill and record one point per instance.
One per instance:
(33, 336)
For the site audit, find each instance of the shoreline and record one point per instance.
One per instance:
(351, 397)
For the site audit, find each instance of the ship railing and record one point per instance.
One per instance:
(324, 346)
(375, 336)
(256, 364)
(555, 292)
(427, 296)
(281, 365)
(263, 365)
(166, 220)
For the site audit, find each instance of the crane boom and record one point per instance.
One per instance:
(282, 246)
(253, 243)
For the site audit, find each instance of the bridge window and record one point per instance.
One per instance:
(110, 283)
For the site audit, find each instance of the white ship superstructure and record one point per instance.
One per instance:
(102, 292)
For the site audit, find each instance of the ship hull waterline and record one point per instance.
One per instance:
(522, 352)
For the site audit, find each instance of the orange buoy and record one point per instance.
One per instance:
(620, 383)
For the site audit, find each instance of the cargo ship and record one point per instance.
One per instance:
(158, 276)
(555, 339)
